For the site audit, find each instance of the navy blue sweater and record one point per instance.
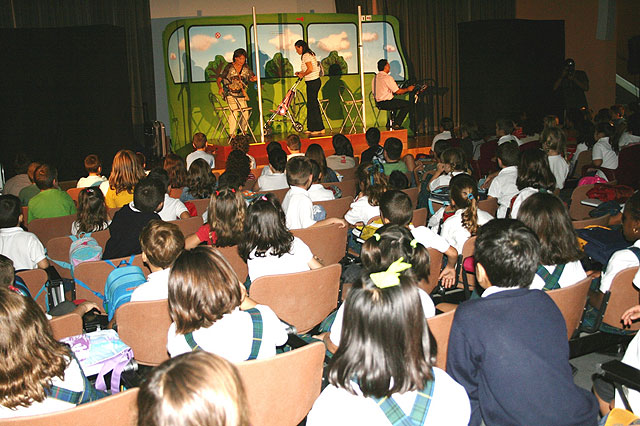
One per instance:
(125, 231)
(510, 352)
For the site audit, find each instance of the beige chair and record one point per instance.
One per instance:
(584, 158)
(578, 211)
(348, 187)
(281, 390)
(58, 249)
(600, 221)
(279, 193)
(25, 214)
(94, 275)
(336, 208)
(188, 226)
(111, 211)
(66, 325)
(413, 194)
(489, 205)
(467, 280)
(35, 279)
(239, 266)
(120, 409)
(144, 326)
(440, 327)
(435, 265)
(327, 242)
(201, 205)
(419, 217)
(52, 227)
(74, 193)
(302, 299)
(571, 301)
(67, 184)
(348, 174)
(621, 296)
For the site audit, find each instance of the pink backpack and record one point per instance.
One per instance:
(588, 180)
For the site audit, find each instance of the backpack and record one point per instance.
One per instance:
(600, 242)
(120, 284)
(84, 248)
(608, 192)
(588, 180)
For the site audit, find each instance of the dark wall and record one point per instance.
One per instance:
(507, 67)
(65, 95)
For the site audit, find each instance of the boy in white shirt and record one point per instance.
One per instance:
(503, 185)
(504, 128)
(173, 208)
(93, 166)
(22, 247)
(294, 144)
(161, 244)
(446, 127)
(276, 178)
(200, 144)
(554, 143)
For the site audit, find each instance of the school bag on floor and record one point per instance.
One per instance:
(120, 283)
(600, 242)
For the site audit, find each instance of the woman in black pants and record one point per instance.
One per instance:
(311, 74)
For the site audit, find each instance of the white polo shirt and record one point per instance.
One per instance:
(297, 260)
(156, 287)
(361, 211)
(572, 273)
(172, 209)
(298, 208)
(384, 86)
(201, 154)
(560, 169)
(622, 259)
(22, 247)
(602, 151)
(317, 192)
(503, 188)
(272, 181)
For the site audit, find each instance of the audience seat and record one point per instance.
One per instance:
(601, 221)
(628, 172)
(529, 145)
(302, 299)
(487, 162)
(584, 158)
(35, 279)
(73, 193)
(348, 187)
(571, 301)
(348, 174)
(578, 211)
(489, 205)
(176, 192)
(435, 265)
(327, 242)
(52, 227)
(66, 325)
(468, 280)
(58, 249)
(279, 193)
(440, 327)
(239, 266)
(111, 211)
(188, 226)
(621, 296)
(201, 205)
(25, 214)
(413, 194)
(336, 208)
(419, 217)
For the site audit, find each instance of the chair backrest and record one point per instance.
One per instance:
(601, 221)
(73, 193)
(25, 213)
(144, 326)
(279, 193)
(336, 208)
(67, 184)
(530, 145)
(487, 162)
(201, 205)
(281, 390)
(66, 325)
(413, 194)
(348, 187)
(435, 264)
(584, 158)
(419, 217)
(628, 172)
(571, 301)
(51, 227)
(578, 211)
(348, 174)
(302, 299)
(58, 249)
(188, 226)
(239, 266)
(328, 242)
(94, 275)
(35, 279)
(120, 409)
(440, 327)
(468, 249)
(623, 296)
(490, 205)
(111, 211)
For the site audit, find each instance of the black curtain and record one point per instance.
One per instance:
(132, 15)
(429, 36)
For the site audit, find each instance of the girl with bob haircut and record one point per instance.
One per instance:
(560, 254)
(193, 389)
(316, 153)
(383, 370)
(534, 175)
(92, 212)
(176, 167)
(200, 181)
(210, 310)
(225, 220)
(268, 247)
(371, 184)
(35, 367)
(125, 174)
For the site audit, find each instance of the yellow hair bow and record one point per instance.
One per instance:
(390, 277)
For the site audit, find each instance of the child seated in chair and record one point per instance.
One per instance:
(172, 208)
(276, 178)
(374, 150)
(294, 145)
(502, 185)
(93, 166)
(22, 247)
(51, 201)
(392, 156)
(199, 143)
(509, 348)
(161, 244)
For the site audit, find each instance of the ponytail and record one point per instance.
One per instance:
(463, 191)
(470, 216)
(620, 129)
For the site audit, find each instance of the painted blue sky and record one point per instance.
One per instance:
(206, 42)
(379, 43)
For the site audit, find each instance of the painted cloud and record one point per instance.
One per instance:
(284, 40)
(369, 36)
(336, 42)
(199, 42)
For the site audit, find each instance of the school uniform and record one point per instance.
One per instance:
(340, 162)
(434, 221)
(172, 209)
(272, 181)
(298, 208)
(297, 260)
(628, 139)
(572, 273)
(90, 181)
(622, 259)
(361, 211)
(443, 180)
(51, 203)
(560, 169)
(75, 225)
(503, 188)
(231, 336)
(294, 154)
(522, 195)
(442, 136)
(156, 287)
(336, 406)
(317, 192)
(125, 231)
(429, 239)
(602, 151)
(22, 247)
(210, 159)
(631, 357)
(455, 233)
(507, 138)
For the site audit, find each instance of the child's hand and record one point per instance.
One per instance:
(448, 276)
(343, 223)
(440, 168)
(85, 307)
(630, 315)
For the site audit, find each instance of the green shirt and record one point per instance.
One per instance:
(391, 167)
(27, 193)
(51, 203)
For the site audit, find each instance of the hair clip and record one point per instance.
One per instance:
(264, 198)
(414, 243)
(233, 190)
(390, 277)
(470, 196)
(217, 193)
(376, 236)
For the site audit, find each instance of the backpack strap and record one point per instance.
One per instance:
(83, 285)
(418, 415)
(635, 250)
(550, 280)
(191, 341)
(256, 320)
(88, 394)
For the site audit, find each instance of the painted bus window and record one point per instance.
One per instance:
(336, 46)
(177, 56)
(379, 42)
(211, 48)
(278, 57)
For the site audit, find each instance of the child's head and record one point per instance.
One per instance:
(240, 142)
(177, 169)
(31, 171)
(162, 175)
(342, 145)
(463, 192)
(7, 271)
(161, 243)
(604, 129)
(631, 218)
(315, 172)
(46, 177)
(125, 172)
(398, 180)
(586, 131)
(10, 211)
(148, 195)
(617, 111)
(199, 140)
(440, 146)
(293, 143)
(92, 211)
(603, 116)
(192, 389)
(226, 215)
(371, 181)
(446, 123)
(620, 128)
(273, 145)
(548, 217)
(299, 172)
(507, 253)
(396, 208)
(316, 153)
(469, 129)
(550, 121)
(265, 229)
(372, 136)
(92, 164)
(554, 139)
(278, 160)
(238, 163)
(202, 288)
(21, 163)
(392, 149)
(504, 126)
(508, 153)
(200, 180)
(534, 171)
(230, 180)
(454, 160)
(32, 356)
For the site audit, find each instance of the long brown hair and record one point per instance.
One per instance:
(372, 181)
(177, 170)
(31, 357)
(463, 191)
(226, 215)
(125, 172)
(92, 211)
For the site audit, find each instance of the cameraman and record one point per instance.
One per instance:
(573, 83)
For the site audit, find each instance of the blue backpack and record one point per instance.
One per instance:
(120, 284)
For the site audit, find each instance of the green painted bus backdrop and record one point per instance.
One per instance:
(197, 49)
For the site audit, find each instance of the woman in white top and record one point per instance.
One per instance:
(372, 183)
(560, 254)
(310, 71)
(385, 360)
(604, 155)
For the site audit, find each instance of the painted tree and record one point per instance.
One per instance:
(334, 59)
(214, 68)
(278, 67)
